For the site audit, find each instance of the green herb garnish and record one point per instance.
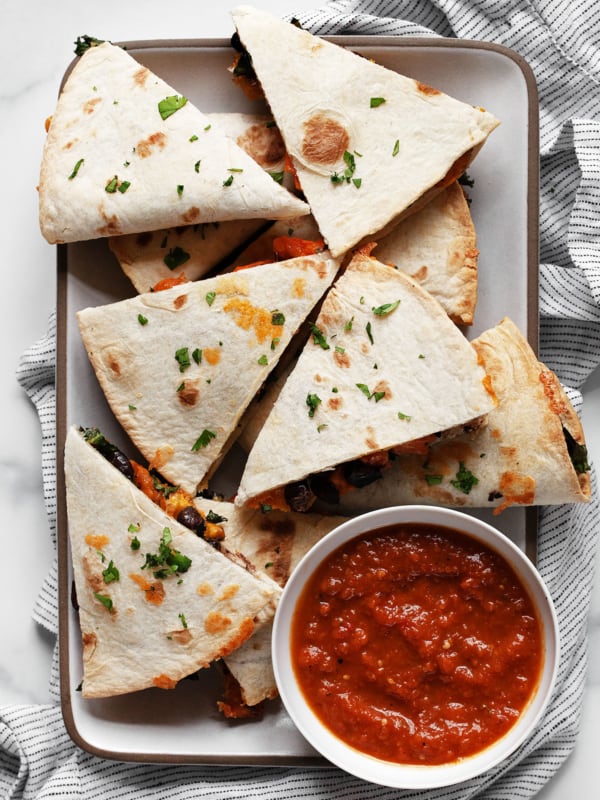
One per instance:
(203, 440)
(376, 102)
(277, 318)
(210, 297)
(182, 356)
(312, 401)
(170, 105)
(105, 600)
(319, 337)
(176, 257)
(111, 573)
(386, 308)
(465, 480)
(142, 319)
(76, 168)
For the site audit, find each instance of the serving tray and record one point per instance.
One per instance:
(184, 725)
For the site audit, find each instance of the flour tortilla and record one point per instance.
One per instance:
(147, 258)
(406, 141)
(205, 612)
(184, 418)
(395, 370)
(520, 458)
(272, 543)
(437, 246)
(112, 165)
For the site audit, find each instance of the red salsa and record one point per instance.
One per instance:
(416, 644)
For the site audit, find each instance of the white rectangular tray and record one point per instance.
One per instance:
(184, 725)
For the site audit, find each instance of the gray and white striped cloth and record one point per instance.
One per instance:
(560, 39)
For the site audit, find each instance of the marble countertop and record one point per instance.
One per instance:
(37, 47)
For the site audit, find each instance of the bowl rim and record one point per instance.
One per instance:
(414, 776)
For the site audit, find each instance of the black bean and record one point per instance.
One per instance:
(119, 460)
(192, 519)
(299, 496)
(359, 474)
(324, 488)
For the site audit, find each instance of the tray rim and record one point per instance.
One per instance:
(532, 315)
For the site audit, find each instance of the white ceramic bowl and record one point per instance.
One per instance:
(409, 776)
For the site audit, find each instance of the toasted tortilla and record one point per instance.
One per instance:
(437, 246)
(139, 630)
(193, 250)
(385, 368)
(125, 153)
(179, 367)
(532, 451)
(272, 542)
(368, 144)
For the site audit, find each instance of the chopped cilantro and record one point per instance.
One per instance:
(228, 181)
(434, 480)
(105, 600)
(369, 333)
(321, 427)
(319, 337)
(386, 308)
(377, 396)
(277, 318)
(182, 356)
(168, 560)
(406, 417)
(396, 149)
(170, 105)
(193, 138)
(203, 440)
(376, 101)
(197, 165)
(176, 257)
(76, 168)
(183, 620)
(135, 543)
(111, 573)
(212, 516)
(268, 564)
(347, 175)
(357, 182)
(464, 480)
(83, 43)
(210, 297)
(312, 401)
(123, 186)
(197, 355)
(263, 360)
(142, 319)
(179, 189)
(111, 186)
(275, 342)
(277, 176)
(348, 325)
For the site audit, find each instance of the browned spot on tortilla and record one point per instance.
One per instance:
(161, 457)
(318, 378)
(180, 301)
(93, 577)
(191, 215)
(89, 642)
(143, 239)
(97, 540)
(383, 386)
(341, 359)
(229, 591)
(90, 105)
(325, 140)
(145, 146)
(549, 383)
(334, 403)
(112, 226)
(299, 288)
(181, 636)
(114, 366)
(69, 145)
(371, 444)
(509, 452)
(425, 89)
(154, 592)
(420, 274)
(216, 623)
(205, 589)
(264, 144)
(188, 396)
(141, 75)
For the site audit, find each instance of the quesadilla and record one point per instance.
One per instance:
(385, 371)
(369, 145)
(272, 542)
(193, 250)
(125, 153)
(532, 451)
(178, 367)
(156, 602)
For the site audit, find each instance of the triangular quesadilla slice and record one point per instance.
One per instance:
(273, 542)
(384, 371)
(531, 452)
(156, 602)
(179, 367)
(193, 250)
(125, 153)
(437, 246)
(367, 143)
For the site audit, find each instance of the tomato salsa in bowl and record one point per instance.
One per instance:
(415, 646)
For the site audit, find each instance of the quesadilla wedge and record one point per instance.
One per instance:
(437, 246)
(368, 145)
(178, 367)
(125, 153)
(532, 451)
(385, 371)
(156, 602)
(272, 542)
(193, 250)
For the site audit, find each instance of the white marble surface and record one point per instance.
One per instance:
(37, 45)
